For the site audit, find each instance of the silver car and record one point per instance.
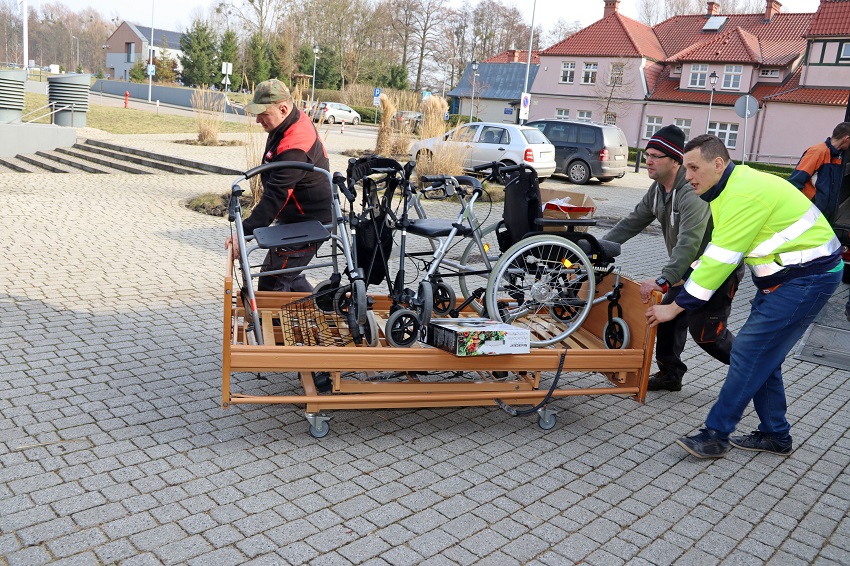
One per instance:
(485, 142)
(333, 112)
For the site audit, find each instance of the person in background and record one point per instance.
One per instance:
(686, 224)
(796, 265)
(818, 173)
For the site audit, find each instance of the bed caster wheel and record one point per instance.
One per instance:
(616, 334)
(546, 419)
(319, 427)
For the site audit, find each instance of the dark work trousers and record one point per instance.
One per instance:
(284, 258)
(707, 325)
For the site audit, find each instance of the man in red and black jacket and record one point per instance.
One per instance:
(289, 195)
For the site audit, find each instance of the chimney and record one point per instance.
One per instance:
(516, 56)
(611, 7)
(771, 9)
(714, 8)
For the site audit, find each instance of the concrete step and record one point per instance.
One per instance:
(59, 157)
(15, 165)
(152, 161)
(42, 163)
(112, 164)
(206, 167)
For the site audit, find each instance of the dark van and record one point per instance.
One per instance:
(586, 149)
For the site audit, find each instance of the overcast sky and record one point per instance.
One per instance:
(176, 15)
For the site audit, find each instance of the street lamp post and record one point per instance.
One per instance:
(77, 66)
(313, 82)
(712, 78)
(530, 43)
(472, 100)
(150, 56)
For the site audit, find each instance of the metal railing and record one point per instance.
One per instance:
(52, 112)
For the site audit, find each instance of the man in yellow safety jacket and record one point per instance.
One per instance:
(796, 265)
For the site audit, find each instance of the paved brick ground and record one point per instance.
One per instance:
(113, 447)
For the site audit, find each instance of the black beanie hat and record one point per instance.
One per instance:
(669, 140)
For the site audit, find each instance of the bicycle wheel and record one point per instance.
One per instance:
(545, 284)
(477, 265)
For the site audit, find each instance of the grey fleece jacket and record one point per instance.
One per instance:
(685, 221)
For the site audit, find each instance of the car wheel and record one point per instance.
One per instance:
(355, 121)
(330, 119)
(578, 172)
(605, 179)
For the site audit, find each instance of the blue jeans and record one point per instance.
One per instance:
(777, 320)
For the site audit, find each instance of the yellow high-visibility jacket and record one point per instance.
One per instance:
(766, 221)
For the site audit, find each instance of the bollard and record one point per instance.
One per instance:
(126, 99)
(342, 129)
(638, 156)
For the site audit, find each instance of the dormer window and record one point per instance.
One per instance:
(699, 72)
(769, 73)
(845, 52)
(732, 77)
(677, 69)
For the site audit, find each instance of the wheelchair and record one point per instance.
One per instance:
(546, 281)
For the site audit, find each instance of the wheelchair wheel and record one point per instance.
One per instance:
(402, 328)
(444, 298)
(616, 334)
(477, 266)
(543, 283)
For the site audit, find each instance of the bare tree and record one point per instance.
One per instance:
(11, 30)
(425, 32)
(620, 77)
(560, 31)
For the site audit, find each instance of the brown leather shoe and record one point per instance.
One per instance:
(663, 382)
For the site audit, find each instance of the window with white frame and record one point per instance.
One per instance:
(653, 124)
(610, 118)
(769, 73)
(562, 113)
(677, 69)
(684, 124)
(584, 115)
(568, 72)
(699, 72)
(588, 77)
(616, 76)
(728, 133)
(732, 76)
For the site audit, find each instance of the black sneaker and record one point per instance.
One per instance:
(706, 444)
(757, 441)
(664, 382)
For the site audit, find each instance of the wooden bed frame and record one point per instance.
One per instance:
(626, 371)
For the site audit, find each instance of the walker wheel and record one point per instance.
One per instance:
(402, 328)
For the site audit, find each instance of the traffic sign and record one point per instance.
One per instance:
(525, 103)
(151, 70)
(746, 106)
(377, 91)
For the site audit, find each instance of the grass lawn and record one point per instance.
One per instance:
(128, 120)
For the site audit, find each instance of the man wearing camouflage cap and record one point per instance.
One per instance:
(289, 195)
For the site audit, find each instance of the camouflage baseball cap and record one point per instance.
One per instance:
(267, 93)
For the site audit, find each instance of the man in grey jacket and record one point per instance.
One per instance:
(686, 223)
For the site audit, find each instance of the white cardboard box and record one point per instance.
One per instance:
(477, 337)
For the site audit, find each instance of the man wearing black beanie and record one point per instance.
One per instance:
(686, 224)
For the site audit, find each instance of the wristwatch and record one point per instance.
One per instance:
(663, 283)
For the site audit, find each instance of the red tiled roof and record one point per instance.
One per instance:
(832, 18)
(516, 56)
(667, 90)
(781, 39)
(652, 71)
(734, 46)
(613, 36)
(793, 93)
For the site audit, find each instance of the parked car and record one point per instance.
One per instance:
(333, 112)
(485, 142)
(407, 120)
(586, 149)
